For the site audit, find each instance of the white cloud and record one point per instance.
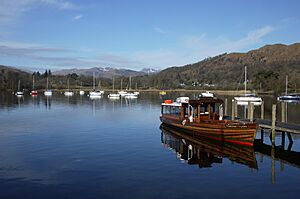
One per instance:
(189, 50)
(77, 17)
(60, 4)
(159, 30)
(12, 10)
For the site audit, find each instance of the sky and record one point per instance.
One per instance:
(136, 34)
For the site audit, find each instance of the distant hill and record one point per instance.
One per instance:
(267, 68)
(9, 78)
(106, 72)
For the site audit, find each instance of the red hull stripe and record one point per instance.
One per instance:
(231, 141)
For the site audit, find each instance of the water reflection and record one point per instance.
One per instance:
(205, 152)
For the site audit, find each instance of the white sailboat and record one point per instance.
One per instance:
(288, 97)
(19, 92)
(81, 92)
(244, 100)
(68, 92)
(131, 95)
(122, 92)
(48, 92)
(114, 95)
(95, 93)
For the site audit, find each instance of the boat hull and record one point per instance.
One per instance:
(232, 132)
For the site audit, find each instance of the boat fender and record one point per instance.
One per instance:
(183, 122)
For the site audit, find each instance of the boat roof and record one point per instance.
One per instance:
(206, 100)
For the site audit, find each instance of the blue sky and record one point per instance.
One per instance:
(57, 34)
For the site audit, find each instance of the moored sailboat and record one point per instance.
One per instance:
(19, 92)
(114, 95)
(33, 92)
(47, 92)
(248, 97)
(68, 92)
(288, 97)
(95, 93)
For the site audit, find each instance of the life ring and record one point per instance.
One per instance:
(168, 101)
(183, 122)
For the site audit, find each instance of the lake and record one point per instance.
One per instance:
(75, 147)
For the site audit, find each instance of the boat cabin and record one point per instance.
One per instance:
(205, 108)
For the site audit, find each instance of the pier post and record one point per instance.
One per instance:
(251, 112)
(248, 110)
(225, 106)
(273, 123)
(262, 110)
(235, 108)
(283, 112)
(232, 109)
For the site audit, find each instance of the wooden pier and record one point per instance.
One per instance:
(272, 125)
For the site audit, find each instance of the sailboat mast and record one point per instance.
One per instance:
(33, 82)
(245, 80)
(68, 85)
(129, 82)
(121, 83)
(19, 85)
(286, 85)
(113, 84)
(94, 80)
(47, 84)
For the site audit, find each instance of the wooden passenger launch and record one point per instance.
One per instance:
(204, 117)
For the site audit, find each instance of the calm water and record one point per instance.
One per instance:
(80, 148)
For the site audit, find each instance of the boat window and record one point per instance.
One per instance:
(203, 109)
(171, 110)
(195, 114)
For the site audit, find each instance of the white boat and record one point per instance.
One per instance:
(288, 97)
(243, 100)
(252, 98)
(68, 93)
(123, 93)
(95, 93)
(114, 95)
(131, 96)
(48, 92)
(81, 92)
(19, 92)
(207, 94)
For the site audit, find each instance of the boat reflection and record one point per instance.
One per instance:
(203, 151)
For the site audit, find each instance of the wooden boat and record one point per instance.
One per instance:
(205, 152)
(201, 118)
